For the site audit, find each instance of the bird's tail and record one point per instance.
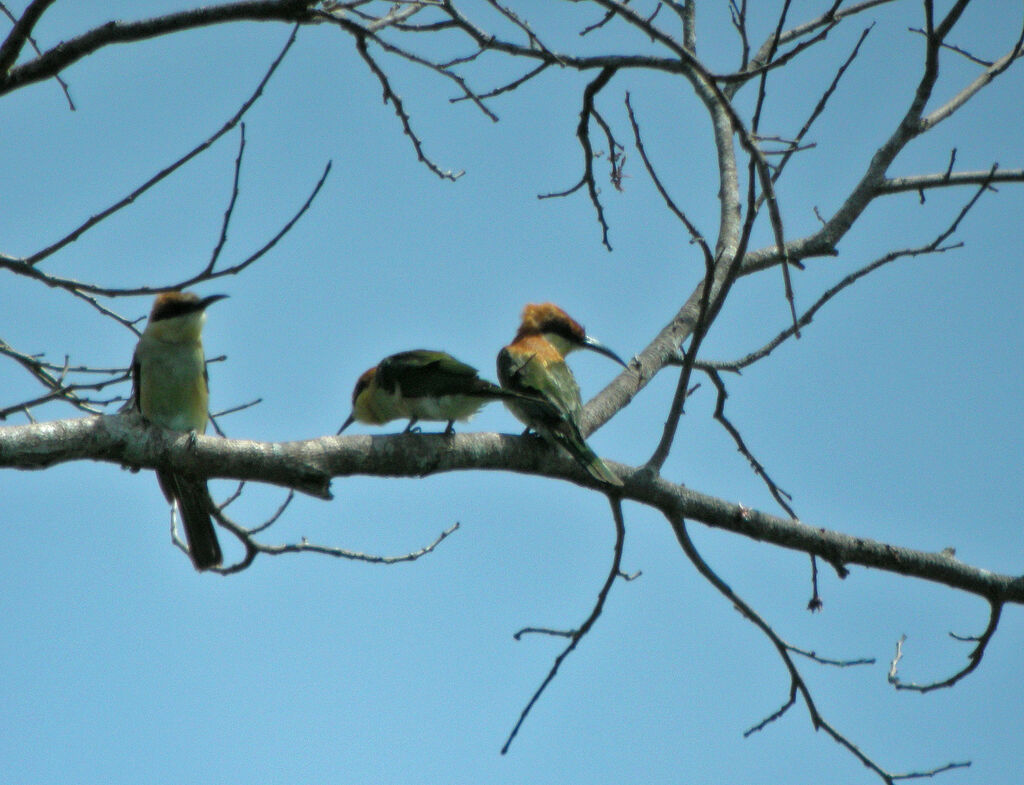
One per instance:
(496, 393)
(571, 439)
(194, 503)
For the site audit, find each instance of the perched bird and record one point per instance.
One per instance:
(170, 389)
(421, 385)
(534, 365)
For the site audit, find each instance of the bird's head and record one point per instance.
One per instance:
(362, 394)
(560, 330)
(179, 316)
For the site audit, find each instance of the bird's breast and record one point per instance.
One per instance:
(445, 407)
(172, 387)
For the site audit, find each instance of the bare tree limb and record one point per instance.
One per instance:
(55, 60)
(576, 635)
(37, 257)
(254, 548)
(309, 465)
(229, 211)
(35, 47)
(990, 73)
(973, 659)
(798, 687)
(20, 33)
(937, 245)
(583, 134)
(391, 97)
(54, 378)
(922, 182)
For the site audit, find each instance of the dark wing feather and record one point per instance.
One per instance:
(194, 504)
(135, 402)
(516, 374)
(423, 373)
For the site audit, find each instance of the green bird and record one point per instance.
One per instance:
(421, 385)
(169, 388)
(534, 366)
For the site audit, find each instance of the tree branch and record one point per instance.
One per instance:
(583, 134)
(973, 659)
(55, 60)
(21, 33)
(309, 465)
(797, 684)
(37, 257)
(576, 635)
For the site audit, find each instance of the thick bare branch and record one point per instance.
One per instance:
(986, 78)
(21, 33)
(38, 51)
(66, 53)
(309, 465)
(923, 182)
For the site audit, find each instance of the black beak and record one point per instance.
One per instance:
(208, 301)
(589, 342)
(351, 419)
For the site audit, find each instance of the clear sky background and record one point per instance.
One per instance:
(896, 417)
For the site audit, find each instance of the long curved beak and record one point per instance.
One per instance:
(590, 342)
(210, 300)
(351, 419)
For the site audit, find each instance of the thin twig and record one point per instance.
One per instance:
(660, 454)
(933, 247)
(583, 134)
(797, 685)
(254, 548)
(781, 497)
(973, 659)
(229, 211)
(168, 170)
(391, 97)
(576, 635)
(506, 88)
(32, 43)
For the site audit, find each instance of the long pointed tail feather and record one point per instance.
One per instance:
(574, 444)
(194, 503)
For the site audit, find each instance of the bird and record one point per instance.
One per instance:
(421, 384)
(534, 365)
(169, 382)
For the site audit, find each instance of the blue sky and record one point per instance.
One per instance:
(895, 417)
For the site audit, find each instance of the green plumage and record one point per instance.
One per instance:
(556, 407)
(420, 385)
(423, 373)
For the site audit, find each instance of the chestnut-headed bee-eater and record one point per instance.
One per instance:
(170, 389)
(421, 385)
(534, 365)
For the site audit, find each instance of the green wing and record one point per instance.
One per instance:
(423, 373)
(551, 381)
(555, 410)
